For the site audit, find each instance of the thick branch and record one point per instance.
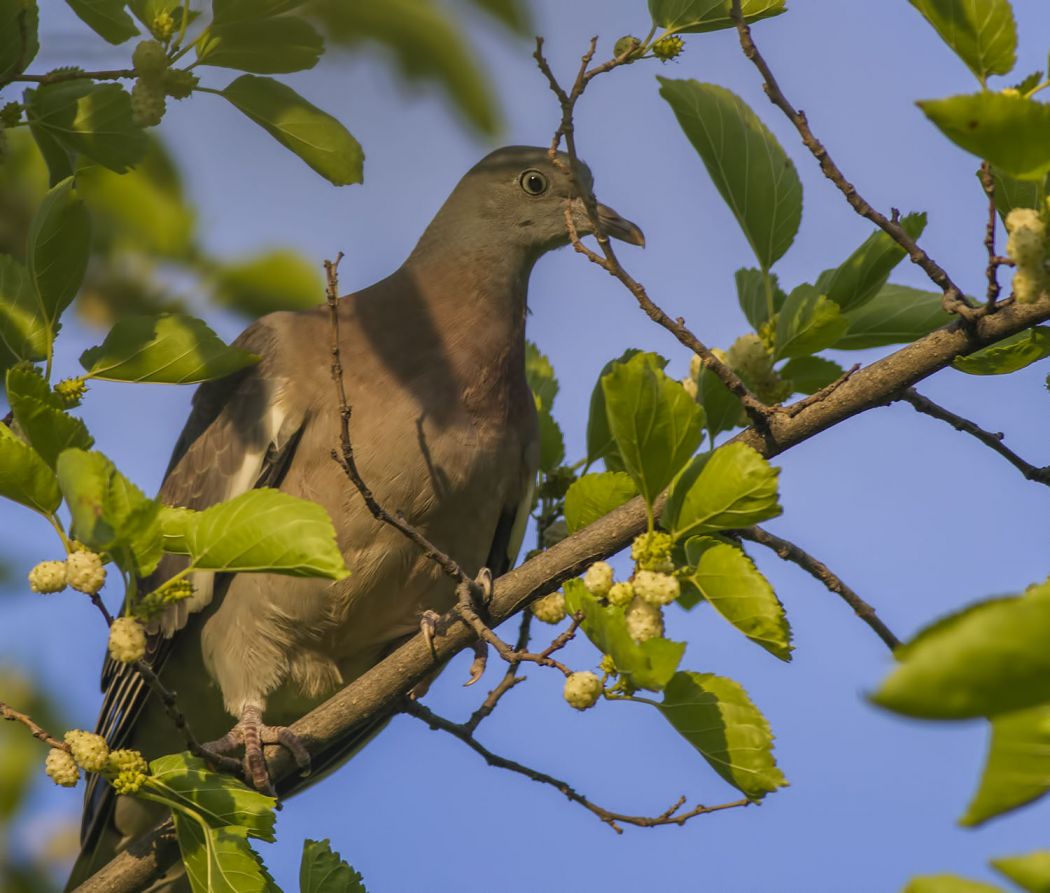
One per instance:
(383, 687)
(988, 438)
(953, 296)
(815, 568)
(671, 816)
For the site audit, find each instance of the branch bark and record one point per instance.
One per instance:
(382, 688)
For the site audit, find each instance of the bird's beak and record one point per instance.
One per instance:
(619, 227)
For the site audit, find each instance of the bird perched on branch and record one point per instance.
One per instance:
(444, 430)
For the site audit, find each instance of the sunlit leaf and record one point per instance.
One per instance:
(171, 349)
(948, 883)
(595, 495)
(40, 416)
(988, 659)
(540, 374)
(709, 15)
(1011, 132)
(809, 374)
(600, 443)
(315, 136)
(24, 476)
(219, 860)
(269, 531)
(262, 45)
(746, 163)
(1008, 355)
(807, 323)
(23, 330)
(1031, 872)
(982, 32)
(729, 488)
(716, 716)
(1012, 193)
(733, 586)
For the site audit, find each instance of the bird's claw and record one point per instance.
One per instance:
(477, 666)
(431, 624)
(253, 735)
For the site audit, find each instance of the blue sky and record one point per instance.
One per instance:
(916, 517)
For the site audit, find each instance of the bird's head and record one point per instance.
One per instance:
(517, 197)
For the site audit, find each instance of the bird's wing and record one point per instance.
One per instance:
(241, 433)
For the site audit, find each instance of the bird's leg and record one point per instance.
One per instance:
(481, 658)
(253, 734)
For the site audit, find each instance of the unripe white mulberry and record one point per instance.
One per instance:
(652, 551)
(89, 750)
(127, 640)
(149, 59)
(1028, 285)
(599, 578)
(656, 588)
(582, 690)
(85, 572)
(751, 360)
(620, 594)
(644, 621)
(550, 608)
(61, 768)
(126, 770)
(691, 387)
(1027, 240)
(48, 576)
(147, 102)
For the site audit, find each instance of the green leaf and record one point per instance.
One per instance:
(729, 580)
(729, 488)
(1011, 193)
(704, 15)
(1008, 355)
(649, 664)
(427, 45)
(226, 12)
(1011, 132)
(107, 18)
(24, 476)
(600, 443)
(655, 423)
(1031, 872)
(1017, 767)
(716, 716)
(18, 36)
(595, 495)
(860, 277)
(324, 871)
(988, 659)
(262, 45)
(89, 119)
(23, 331)
(947, 883)
(807, 323)
(539, 372)
(280, 279)
(169, 348)
(751, 294)
(174, 522)
(749, 169)
(266, 531)
(57, 249)
(40, 417)
(982, 32)
(315, 136)
(514, 14)
(809, 374)
(58, 160)
(552, 443)
(110, 514)
(219, 860)
(896, 315)
(186, 784)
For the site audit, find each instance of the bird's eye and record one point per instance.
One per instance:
(533, 182)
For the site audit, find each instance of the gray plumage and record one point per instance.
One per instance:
(444, 429)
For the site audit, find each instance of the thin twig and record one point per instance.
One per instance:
(9, 713)
(670, 816)
(954, 300)
(994, 440)
(756, 410)
(992, 270)
(58, 77)
(345, 457)
(509, 680)
(815, 568)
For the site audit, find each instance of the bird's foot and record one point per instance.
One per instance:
(253, 735)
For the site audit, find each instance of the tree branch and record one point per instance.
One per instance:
(954, 301)
(992, 270)
(815, 568)
(39, 732)
(464, 733)
(992, 440)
